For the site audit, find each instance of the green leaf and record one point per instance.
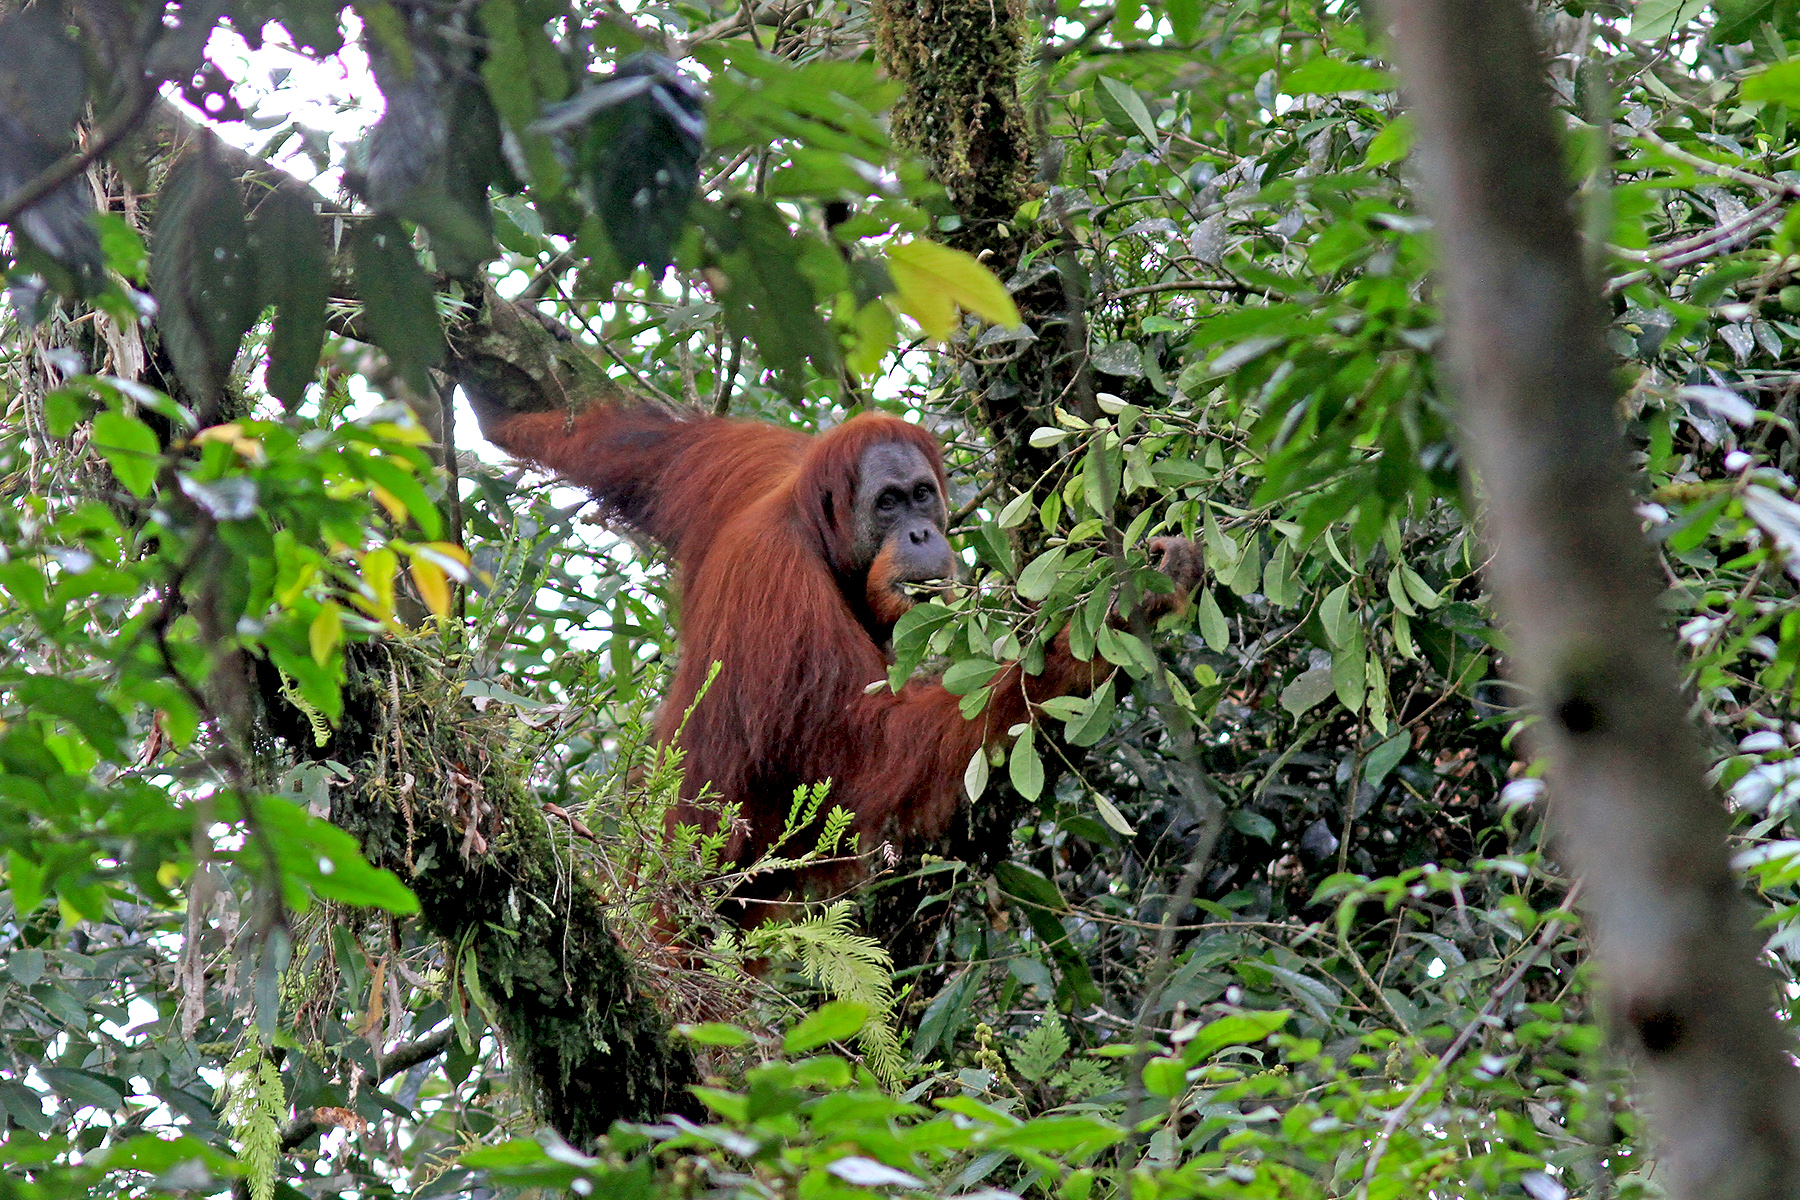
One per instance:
(965, 675)
(1133, 106)
(767, 297)
(1306, 690)
(1041, 574)
(1335, 616)
(129, 448)
(730, 1105)
(1165, 1076)
(1348, 676)
(399, 307)
(1397, 593)
(1279, 582)
(1318, 998)
(1737, 20)
(1253, 825)
(834, 1022)
(932, 281)
(975, 775)
(80, 704)
(1394, 142)
(1015, 512)
(202, 271)
(1247, 576)
(513, 86)
(1042, 905)
(1780, 82)
(1213, 627)
(1024, 766)
(26, 966)
(25, 878)
(1654, 20)
(947, 1013)
(296, 279)
(1037, 1053)
(122, 247)
(1418, 589)
(404, 486)
(1184, 18)
(327, 860)
(1222, 550)
(1385, 757)
(1109, 812)
(85, 1087)
(1100, 477)
(1094, 723)
(713, 1033)
(1324, 76)
(1040, 894)
(1238, 1029)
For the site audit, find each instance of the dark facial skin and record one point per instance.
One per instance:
(898, 506)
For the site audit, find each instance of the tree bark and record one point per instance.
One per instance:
(962, 114)
(1575, 586)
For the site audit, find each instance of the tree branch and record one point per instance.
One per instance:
(401, 1058)
(124, 120)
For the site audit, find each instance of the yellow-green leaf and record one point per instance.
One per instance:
(1025, 768)
(434, 587)
(873, 334)
(975, 775)
(379, 569)
(325, 632)
(1781, 82)
(450, 558)
(1394, 142)
(933, 280)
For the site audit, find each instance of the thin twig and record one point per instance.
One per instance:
(1395, 1119)
(974, 502)
(1231, 286)
(722, 396)
(400, 1058)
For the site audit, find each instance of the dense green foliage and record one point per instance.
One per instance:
(205, 545)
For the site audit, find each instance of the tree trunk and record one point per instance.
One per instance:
(962, 114)
(1575, 587)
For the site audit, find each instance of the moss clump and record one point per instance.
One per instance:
(437, 799)
(960, 62)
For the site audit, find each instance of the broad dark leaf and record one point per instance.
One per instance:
(43, 83)
(767, 298)
(430, 159)
(202, 272)
(637, 140)
(296, 279)
(397, 300)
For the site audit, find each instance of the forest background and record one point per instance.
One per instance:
(332, 833)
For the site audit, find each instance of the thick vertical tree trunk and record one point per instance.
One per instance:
(1575, 587)
(962, 113)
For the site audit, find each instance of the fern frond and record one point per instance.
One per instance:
(837, 823)
(846, 965)
(253, 1109)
